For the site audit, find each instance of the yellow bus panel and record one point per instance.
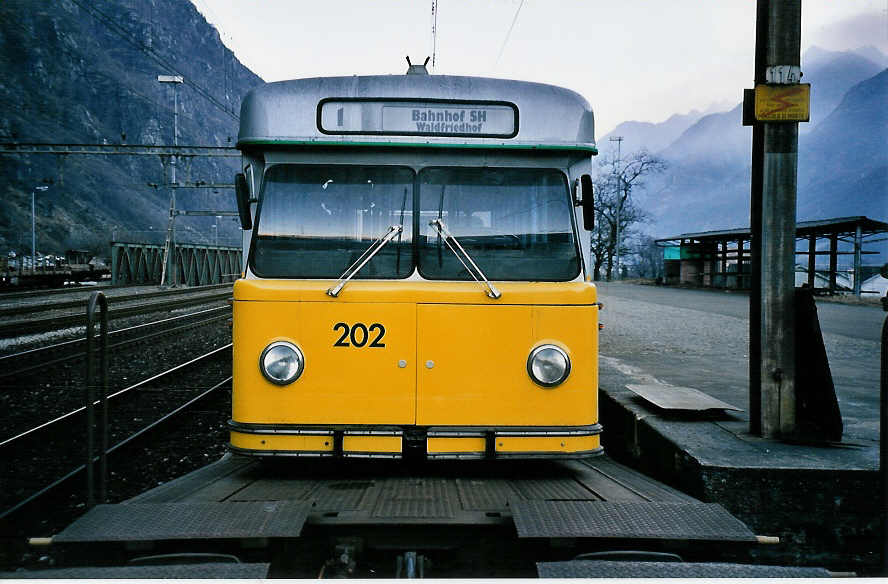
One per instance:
(342, 384)
(474, 371)
(371, 444)
(282, 442)
(455, 445)
(547, 444)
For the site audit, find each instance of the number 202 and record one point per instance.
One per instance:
(359, 334)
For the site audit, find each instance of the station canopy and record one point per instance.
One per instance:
(840, 226)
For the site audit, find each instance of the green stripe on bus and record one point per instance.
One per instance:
(577, 148)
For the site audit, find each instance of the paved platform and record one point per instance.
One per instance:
(821, 500)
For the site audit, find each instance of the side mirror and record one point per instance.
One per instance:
(588, 202)
(243, 200)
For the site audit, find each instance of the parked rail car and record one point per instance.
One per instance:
(414, 280)
(51, 271)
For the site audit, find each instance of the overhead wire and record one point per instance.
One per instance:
(127, 36)
(508, 34)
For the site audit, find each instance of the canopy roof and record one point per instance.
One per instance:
(821, 227)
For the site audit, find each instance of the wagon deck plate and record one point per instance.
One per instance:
(619, 519)
(179, 571)
(164, 521)
(615, 569)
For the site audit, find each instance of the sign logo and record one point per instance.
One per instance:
(783, 103)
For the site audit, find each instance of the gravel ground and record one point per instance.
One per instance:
(704, 344)
(198, 436)
(42, 395)
(195, 440)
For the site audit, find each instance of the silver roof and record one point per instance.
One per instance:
(286, 112)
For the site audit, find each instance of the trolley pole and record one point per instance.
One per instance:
(780, 103)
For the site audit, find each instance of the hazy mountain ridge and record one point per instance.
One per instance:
(842, 168)
(86, 72)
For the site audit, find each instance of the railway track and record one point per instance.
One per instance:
(20, 309)
(176, 299)
(44, 460)
(22, 362)
(4, 296)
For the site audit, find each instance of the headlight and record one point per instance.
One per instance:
(548, 365)
(281, 362)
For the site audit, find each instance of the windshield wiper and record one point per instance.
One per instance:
(359, 263)
(451, 241)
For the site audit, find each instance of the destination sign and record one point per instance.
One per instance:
(418, 118)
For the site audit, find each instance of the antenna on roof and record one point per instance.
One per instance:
(417, 69)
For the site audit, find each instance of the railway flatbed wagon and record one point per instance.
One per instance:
(243, 517)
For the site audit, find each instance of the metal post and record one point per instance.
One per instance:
(724, 263)
(96, 298)
(89, 398)
(34, 226)
(858, 244)
(883, 435)
(103, 366)
(779, 174)
(833, 261)
(33, 231)
(169, 253)
(812, 255)
(175, 184)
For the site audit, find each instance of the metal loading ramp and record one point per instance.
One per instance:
(166, 521)
(189, 571)
(622, 569)
(631, 520)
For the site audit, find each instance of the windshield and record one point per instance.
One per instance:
(515, 224)
(315, 221)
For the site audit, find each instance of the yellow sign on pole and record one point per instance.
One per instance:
(783, 103)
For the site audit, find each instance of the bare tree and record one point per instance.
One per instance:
(649, 262)
(615, 209)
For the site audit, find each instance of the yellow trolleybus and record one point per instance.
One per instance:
(414, 278)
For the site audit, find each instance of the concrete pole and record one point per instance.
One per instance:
(755, 224)
(779, 174)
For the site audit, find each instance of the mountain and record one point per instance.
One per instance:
(85, 72)
(650, 136)
(873, 54)
(831, 74)
(842, 158)
(843, 162)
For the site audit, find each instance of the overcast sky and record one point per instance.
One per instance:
(632, 59)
